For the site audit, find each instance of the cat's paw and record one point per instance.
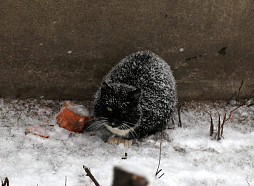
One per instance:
(117, 141)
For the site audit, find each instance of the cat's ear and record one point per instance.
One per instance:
(105, 88)
(135, 94)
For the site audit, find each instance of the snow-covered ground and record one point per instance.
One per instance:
(189, 155)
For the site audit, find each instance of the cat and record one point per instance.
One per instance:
(137, 97)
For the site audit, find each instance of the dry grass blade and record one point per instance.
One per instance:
(218, 133)
(224, 119)
(211, 125)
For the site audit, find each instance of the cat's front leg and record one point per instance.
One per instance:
(114, 140)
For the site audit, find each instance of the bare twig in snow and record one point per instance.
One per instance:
(223, 122)
(230, 114)
(239, 91)
(250, 96)
(211, 125)
(5, 182)
(158, 168)
(218, 133)
(236, 93)
(125, 156)
(247, 181)
(179, 115)
(89, 174)
(161, 175)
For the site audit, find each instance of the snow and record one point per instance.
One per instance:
(189, 155)
(181, 49)
(78, 109)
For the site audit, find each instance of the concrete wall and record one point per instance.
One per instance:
(62, 49)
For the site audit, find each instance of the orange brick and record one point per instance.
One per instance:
(70, 120)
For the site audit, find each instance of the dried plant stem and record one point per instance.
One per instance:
(247, 181)
(218, 133)
(211, 125)
(223, 122)
(6, 182)
(157, 171)
(158, 168)
(230, 114)
(179, 116)
(89, 174)
(236, 93)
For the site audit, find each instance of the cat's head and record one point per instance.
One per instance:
(117, 106)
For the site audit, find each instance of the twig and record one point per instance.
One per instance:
(65, 181)
(158, 168)
(89, 174)
(250, 96)
(247, 181)
(6, 182)
(237, 92)
(211, 126)
(157, 172)
(224, 119)
(125, 156)
(179, 116)
(161, 175)
(218, 133)
(230, 114)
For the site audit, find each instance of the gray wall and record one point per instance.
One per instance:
(62, 49)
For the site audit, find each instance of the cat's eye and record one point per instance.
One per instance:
(109, 109)
(124, 111)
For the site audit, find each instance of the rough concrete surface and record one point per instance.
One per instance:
(62, 49)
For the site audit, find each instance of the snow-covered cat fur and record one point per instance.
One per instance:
(137, 97)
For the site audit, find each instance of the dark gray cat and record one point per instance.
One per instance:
(137, 97)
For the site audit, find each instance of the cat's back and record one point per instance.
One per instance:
(141, 69)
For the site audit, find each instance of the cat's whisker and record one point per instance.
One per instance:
(96, 125)
(125, 126)
(92, 127)
(129, 123)
(133, 133)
